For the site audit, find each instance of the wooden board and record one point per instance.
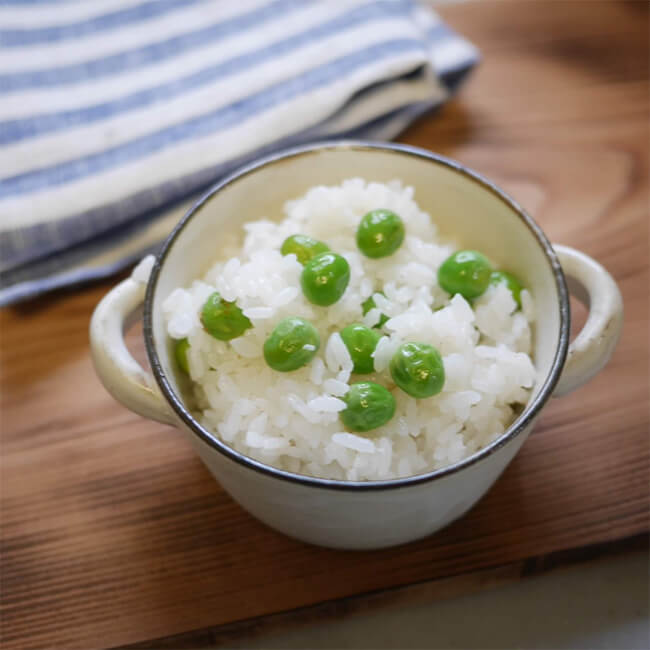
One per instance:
(113, 532)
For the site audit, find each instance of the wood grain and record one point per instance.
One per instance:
(113, 532)
(419, 593)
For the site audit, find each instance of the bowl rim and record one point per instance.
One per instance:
(517, 427)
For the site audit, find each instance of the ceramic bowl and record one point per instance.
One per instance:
(467, 207)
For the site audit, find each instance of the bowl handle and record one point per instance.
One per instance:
(590, 351)
(120, 373)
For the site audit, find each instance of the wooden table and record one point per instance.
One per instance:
(113, 532)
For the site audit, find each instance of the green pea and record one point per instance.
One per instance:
(380, 233)
(367, 305)
(511, 282)
(292, 344)
(368, 406)
(325, 278)
(222, 319)
(303, 247)
(418, 370)
(180, 352)
(465, 272)
(361, 342)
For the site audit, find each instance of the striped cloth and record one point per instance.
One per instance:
(115, 114)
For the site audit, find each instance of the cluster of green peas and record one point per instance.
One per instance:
(416, 368)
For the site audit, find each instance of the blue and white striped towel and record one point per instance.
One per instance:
(115, 114)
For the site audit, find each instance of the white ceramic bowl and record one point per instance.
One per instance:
(344, 514)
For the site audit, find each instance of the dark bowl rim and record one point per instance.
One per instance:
(515, 429)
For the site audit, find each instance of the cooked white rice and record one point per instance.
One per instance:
(290, 420)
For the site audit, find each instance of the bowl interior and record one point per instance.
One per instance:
(466, 209)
